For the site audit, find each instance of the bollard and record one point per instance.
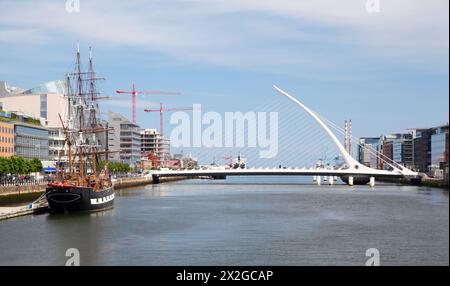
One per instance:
(350, 181)
(372, 182)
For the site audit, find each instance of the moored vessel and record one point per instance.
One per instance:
(83, 180)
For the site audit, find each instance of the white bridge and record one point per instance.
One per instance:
(353, 172)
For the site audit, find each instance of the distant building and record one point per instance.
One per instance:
(421, 149)
(58, 150)
(145, 164)
(30, 137)
(403, 150)
(45, 102)
(386, 147)
(174, 164)
(31, 141)
(367, 151)
(151, 140)
(388, 153)
(6, 138)
(125, 138)
(23, 135)
(186, 162)
(439, 151)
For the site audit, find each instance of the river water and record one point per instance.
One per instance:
(242, 221)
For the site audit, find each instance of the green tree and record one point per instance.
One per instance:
(19, 166)
(36, 165)
(5, 166)
(22, 165)
(14, 164)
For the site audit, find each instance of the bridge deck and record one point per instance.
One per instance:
(277, 172)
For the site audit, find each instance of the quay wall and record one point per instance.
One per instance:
(10, 195)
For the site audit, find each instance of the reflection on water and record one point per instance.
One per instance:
(242, 221)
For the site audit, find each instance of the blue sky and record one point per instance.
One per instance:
(386, 71)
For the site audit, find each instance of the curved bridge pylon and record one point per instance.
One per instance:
(354, 167)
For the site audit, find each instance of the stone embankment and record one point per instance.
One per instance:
(13, 197)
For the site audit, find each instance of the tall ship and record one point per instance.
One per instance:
(83, 181)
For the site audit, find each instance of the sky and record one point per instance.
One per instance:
(386, 70)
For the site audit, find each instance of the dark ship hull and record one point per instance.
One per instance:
(64, 199)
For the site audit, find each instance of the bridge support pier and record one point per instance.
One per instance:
(155, 179)
(372, 182)
(319, 180)
(350, 181)
(330, 180)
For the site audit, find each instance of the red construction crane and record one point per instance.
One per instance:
(134, 92)
(161, 111)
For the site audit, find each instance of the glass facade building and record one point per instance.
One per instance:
(125, 138)
(367, 151)
(439, 147)
(57, 86)
(422, 150)
(31, 141)
(130, 143)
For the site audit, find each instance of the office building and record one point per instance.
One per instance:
(439, 151)
(30, 138)
(368, 151)
(151, 140)
(6, 138)
(402, 150)
(45, 102)
(421, 149)
(58, 150)
(124, 140)
(23, 136)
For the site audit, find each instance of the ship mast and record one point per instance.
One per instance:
(92, 115)
(68, 125)
(80, 115)
(81, 128)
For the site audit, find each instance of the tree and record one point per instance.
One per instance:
(116, 167)
(36, 165)
(22, 166)
(19, 166)
(26, 167)
(5, 166)
(14, 163)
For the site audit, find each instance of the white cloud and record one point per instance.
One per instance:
(254, 34)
